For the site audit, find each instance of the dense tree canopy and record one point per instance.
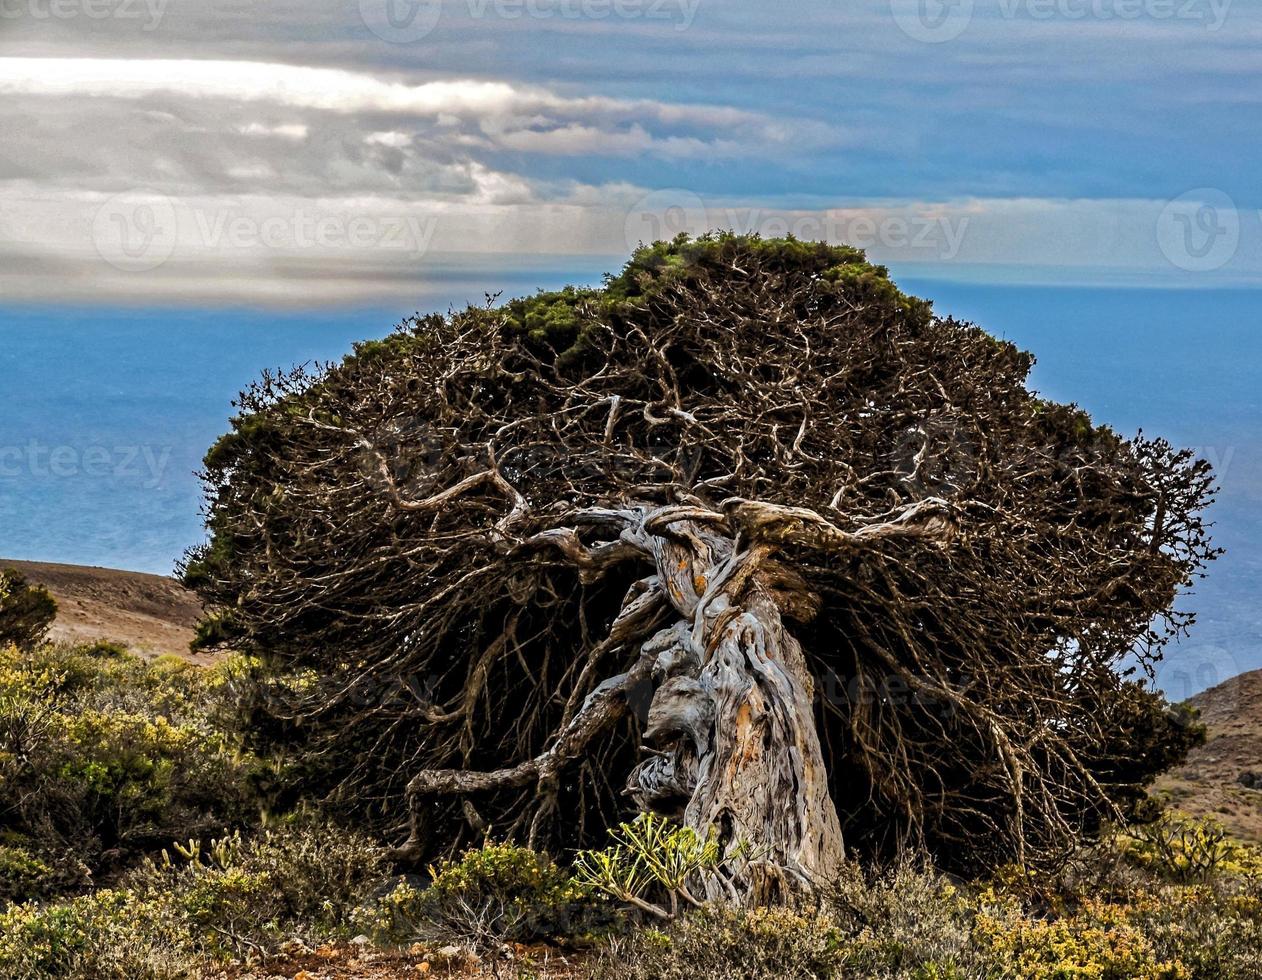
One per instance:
(747, 535)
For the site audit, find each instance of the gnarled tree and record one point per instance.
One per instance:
(747, 536)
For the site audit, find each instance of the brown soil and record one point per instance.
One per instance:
(1207, 784)
(149, 614)
(354, 963)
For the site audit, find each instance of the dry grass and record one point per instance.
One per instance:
(1207, 784)
(149, 614)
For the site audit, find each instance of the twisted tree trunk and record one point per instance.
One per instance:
(733, 717)
(731, 721)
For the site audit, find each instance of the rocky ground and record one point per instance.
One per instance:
(1223, 778)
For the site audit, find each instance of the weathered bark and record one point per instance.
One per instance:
(734, 716)
(735, 748)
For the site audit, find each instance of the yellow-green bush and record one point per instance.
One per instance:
(730, 944)
(1100, 941)
(1186, 849)
(493, 894)
(104, 757)
(174, 919)
(108, 935)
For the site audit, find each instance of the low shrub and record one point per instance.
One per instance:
(1187, 850)
(904, 921)
(105, 757)
(731, 944)
(108, 935)
(910, 923)
(491, 895)
(233, 899)
(26, 874)
(1101, 940)
(240, 896)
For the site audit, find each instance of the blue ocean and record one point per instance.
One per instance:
(106, 412)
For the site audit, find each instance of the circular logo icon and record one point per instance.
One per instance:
(662, 215)
(1199, 231)
(935, 458)
(400, 21)
(136, 231)
(1190, 670)
(932, 21)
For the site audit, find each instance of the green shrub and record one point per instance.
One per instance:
(26, 611)
(109, 935)
(1099, 940)
(240, 898)
(651, 859)
(1185, 849)
(729, 944)
(242, 895)
(104, 757)
(28, 874)
(491, 895)
(904, 921)
(1214, 931)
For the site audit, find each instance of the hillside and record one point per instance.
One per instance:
(150, 614)
(1208, 783)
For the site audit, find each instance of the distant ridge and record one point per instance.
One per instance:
(149, 614)
(1208, 784)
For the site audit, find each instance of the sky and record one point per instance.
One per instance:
(194, 190)
(312, 152)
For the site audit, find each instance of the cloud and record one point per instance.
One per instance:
(516, 116)
(1038, 146)
(149, 246)
(289, 131)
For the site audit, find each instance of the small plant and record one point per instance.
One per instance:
(650, 855)
(1188, 850)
